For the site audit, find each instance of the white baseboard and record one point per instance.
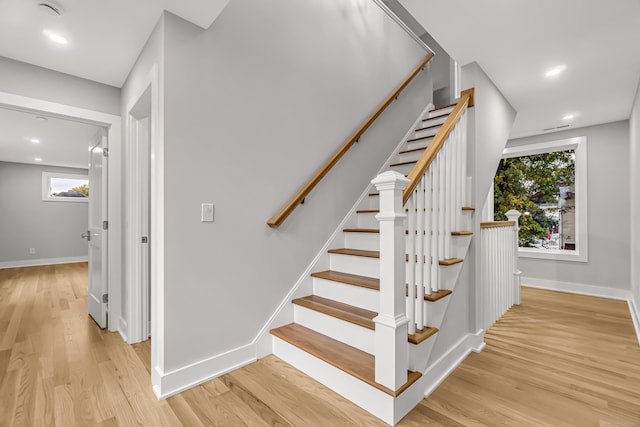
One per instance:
(576, 288)
(448, 362)
(635, 315)
(189, 376)
(123, 329)
(43, 261)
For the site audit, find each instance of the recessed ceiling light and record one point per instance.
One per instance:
(37, 159)
(552, 72)
(35, 140)
(569, 117)
(55, 37)
(41, 119)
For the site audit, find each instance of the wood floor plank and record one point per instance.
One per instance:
(557, 360)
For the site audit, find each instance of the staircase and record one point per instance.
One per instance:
(333, 335)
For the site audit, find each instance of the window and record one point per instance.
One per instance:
(547, 184)
(60, 187)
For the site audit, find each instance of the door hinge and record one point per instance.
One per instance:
(144, 239)
(105, 152)
(105, 298)
(105, 225)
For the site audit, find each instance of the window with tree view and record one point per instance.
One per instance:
(65, 187)
(542, 188)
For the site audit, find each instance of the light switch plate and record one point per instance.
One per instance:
(207, 212)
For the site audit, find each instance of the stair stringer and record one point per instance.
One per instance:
(284, 313)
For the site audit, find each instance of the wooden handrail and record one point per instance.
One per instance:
(306, 189)
(497, 224)
(429, 155)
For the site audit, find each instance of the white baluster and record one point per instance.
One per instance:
(391, 354)
(411, 250)
(428, 237)
(441, 203)
(435, 215)
(419, 301)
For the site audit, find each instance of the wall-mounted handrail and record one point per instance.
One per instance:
(434, 147)
(306, 189)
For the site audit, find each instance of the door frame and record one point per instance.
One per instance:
(113, 126)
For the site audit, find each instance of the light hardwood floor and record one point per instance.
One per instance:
(557, 360)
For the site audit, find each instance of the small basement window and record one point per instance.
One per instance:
(61, 187)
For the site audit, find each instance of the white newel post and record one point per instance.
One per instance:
(391, 349)
(514, 215)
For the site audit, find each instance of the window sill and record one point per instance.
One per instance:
(551, 254)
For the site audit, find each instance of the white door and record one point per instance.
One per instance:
(97, 233)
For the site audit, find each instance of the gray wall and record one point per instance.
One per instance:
(490, 123)
(41, 83)
(251, 111)
(26, 221)
(608, 211)
(634, 199)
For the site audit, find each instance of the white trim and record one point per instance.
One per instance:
(279, 317)
(43, 261)
(113, 125)
(579, 145)
(635, 316)
(122, 327)
(402, 25)
(448, 362)
(189, 376)
(576, 288)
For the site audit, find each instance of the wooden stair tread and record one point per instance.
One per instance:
(412, 162)
(348, 313)
(462, 233)
(339, 355)
(428, 127)
(442, 108)
(450, 261)
(420, 139)
(438, 295)
(374, 194)
(422, 335)
(368, 211)
(355, 252)
(360, 230)
(349, 279)
(468, 208)
(412, 150)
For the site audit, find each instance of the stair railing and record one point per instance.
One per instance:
(432, 197)
(298, 199)
(499, 267)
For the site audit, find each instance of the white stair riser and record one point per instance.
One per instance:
(366, 298)
(362, 266)
(403, 169)
(365, 241)
(425, 132)
(459, 245)
(362, 394)
(346, 332)
(368, 220)
(436, 120)
(423, 143)
(449, 276)
(441, 112)
(408, 157)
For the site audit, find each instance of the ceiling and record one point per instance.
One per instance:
(104, 37)
(62, 142)
(517, 41)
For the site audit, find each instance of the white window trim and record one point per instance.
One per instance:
(579, 145)
(46, 180)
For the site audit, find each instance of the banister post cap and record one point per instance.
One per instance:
(513, 215)
(390, 179)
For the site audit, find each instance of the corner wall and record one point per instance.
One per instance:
(53, 229)
(251, 111)
(634, 202)
(608, 184)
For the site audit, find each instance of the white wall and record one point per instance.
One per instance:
(490, 122)
(251, 111)
(53, 229)
(634, 197)
(41, 83)
(608, 211)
